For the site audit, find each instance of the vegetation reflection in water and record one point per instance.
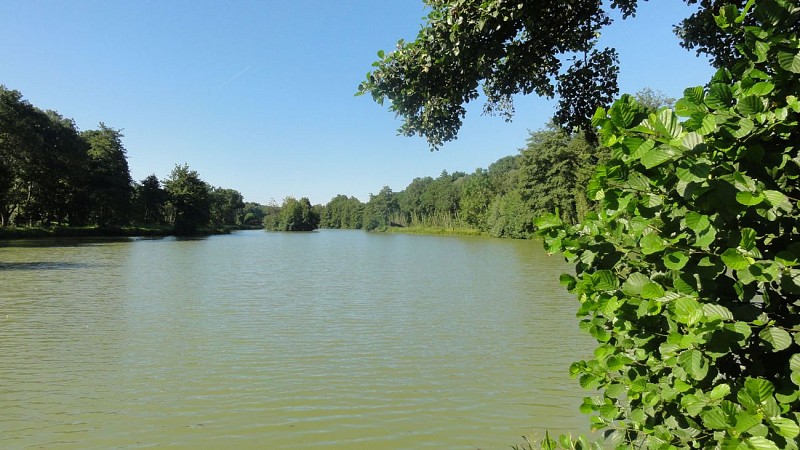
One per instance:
(337, 339)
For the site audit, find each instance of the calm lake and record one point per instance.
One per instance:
(331, 339)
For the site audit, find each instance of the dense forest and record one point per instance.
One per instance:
(54, 175)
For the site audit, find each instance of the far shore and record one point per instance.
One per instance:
(10, 233)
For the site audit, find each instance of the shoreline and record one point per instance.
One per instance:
(17, 233)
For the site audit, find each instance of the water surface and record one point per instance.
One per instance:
(331, 339)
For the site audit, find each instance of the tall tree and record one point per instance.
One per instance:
(109, 177)
(150, 200)
(188, 200)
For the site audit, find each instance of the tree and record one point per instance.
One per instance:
(342, 212)
(554, 169)
(252, 215)
(294, 215)
(380, 210)
(507, 48)
(226, 206)
(110, 182)
(476, 196)
(688, 276)
(150, 200)
(188, 200)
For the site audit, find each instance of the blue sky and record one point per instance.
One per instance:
(257, 96)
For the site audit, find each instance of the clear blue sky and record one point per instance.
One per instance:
(258, 95)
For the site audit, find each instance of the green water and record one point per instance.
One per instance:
(331, 339)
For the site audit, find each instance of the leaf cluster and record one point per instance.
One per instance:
(689, 274)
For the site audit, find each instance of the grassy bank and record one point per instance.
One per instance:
(439, 231)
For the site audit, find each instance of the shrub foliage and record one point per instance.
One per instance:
(688, 275)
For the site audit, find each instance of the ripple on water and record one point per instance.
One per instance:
(317, 340)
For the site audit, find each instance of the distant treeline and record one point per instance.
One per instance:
(52, 174)
(549, 174)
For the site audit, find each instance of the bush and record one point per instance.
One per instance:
(689, 274)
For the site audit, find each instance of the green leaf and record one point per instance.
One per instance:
(719, 96)
(697, 222)
(716, 419)
(688, 310)
(748, 198)
(706, 237)
(720, 391)
(775, 198)
(546, 221)
(786, 427)
(717, 312)
(676, 260)
(735, 260)
(709, 124)
(693, 172)
(652, 291)
(789, 61)
(657, 156)
(748, 240)
(760, 443)
(794, 362)
(694, 364)
(652, 243)
(692, 140)
(777, 337)
(605, 280)
(694, 95)
(635, 283)
(745, 420)
(761, 88)
(759, 389)
(745, 127)
(751, 105)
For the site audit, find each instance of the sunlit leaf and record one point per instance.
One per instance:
(777, 337)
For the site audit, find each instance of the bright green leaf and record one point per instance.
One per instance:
(748, 198)
(777, 337)
(717, 312)
(789, 61)
(652, 243)
(676, 260)
(735, 260)
(786, 427)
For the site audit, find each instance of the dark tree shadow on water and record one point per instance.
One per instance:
(42, 265)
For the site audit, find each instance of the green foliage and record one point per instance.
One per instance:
(381, 210)
(293, 215)
(554, 171)
(512, 47)
(149, 201)
(109, 177)
(342, 212)
(189, 203)
(688, 275)
(507, 48)
(226, 206)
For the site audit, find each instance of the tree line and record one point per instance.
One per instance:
(53, 174)
(549, 174)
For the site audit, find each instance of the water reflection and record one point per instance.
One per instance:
(42, 265)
